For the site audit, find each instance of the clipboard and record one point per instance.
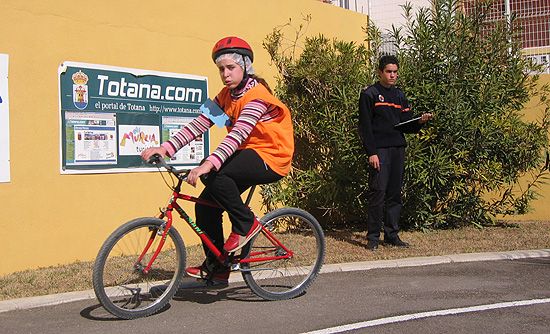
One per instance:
(406, 123)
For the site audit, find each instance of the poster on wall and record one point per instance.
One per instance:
(109, 115)
(4, 121)
(192, 152)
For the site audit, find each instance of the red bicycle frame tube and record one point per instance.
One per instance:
(253, 257)
(204, 238)
(195, 200)
(168, 214)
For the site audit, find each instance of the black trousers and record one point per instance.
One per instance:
(242, 170)
(384, 194)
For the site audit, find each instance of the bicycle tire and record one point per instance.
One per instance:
(120, 285)
(283, 279)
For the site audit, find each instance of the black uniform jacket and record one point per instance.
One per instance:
(380, 109)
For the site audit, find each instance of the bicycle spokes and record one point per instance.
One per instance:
(127, 287)
(286, 256)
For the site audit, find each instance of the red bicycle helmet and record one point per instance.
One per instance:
(232, 44)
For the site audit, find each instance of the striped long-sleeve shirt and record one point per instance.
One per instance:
(253, 112)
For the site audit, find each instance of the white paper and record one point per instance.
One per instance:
(4, 121)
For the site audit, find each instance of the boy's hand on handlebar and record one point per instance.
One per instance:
(149, 152)
(196, 172)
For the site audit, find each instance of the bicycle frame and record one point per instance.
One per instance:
(223, 257)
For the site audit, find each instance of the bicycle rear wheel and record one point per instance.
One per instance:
(281, 279)
(119, 282)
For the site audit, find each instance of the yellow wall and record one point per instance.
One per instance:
(47, 218)
(540, 208)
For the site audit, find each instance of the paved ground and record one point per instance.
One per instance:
(465, 293)
(31, 302)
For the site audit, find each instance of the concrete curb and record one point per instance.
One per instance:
(431, 260)
(50, 300)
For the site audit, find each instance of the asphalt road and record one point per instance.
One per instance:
(479, 297)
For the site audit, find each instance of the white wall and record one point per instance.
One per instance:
(384, 13)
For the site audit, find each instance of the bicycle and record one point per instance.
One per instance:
(139, 267)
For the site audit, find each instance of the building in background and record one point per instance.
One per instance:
(360, 6)
(532, 17)
(383, 13)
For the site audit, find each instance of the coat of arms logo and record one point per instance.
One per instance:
(80, 90)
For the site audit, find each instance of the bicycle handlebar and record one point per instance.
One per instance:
(156, 159)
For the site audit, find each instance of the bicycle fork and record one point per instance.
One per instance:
(163, 232)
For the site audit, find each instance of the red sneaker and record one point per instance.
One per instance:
(202, 273)
(237, 241)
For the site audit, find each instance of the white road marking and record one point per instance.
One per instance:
(407, 317)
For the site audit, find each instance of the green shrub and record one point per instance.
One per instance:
(466, 165)
(465, 168)
(321, 88)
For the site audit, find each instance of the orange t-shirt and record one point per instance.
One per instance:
(273, 140)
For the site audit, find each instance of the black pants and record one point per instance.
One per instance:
(242, 170)
(384, 194)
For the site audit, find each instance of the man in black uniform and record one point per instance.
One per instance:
(381, 107)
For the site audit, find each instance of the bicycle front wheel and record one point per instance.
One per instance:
(120, 282)
(299, 234)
